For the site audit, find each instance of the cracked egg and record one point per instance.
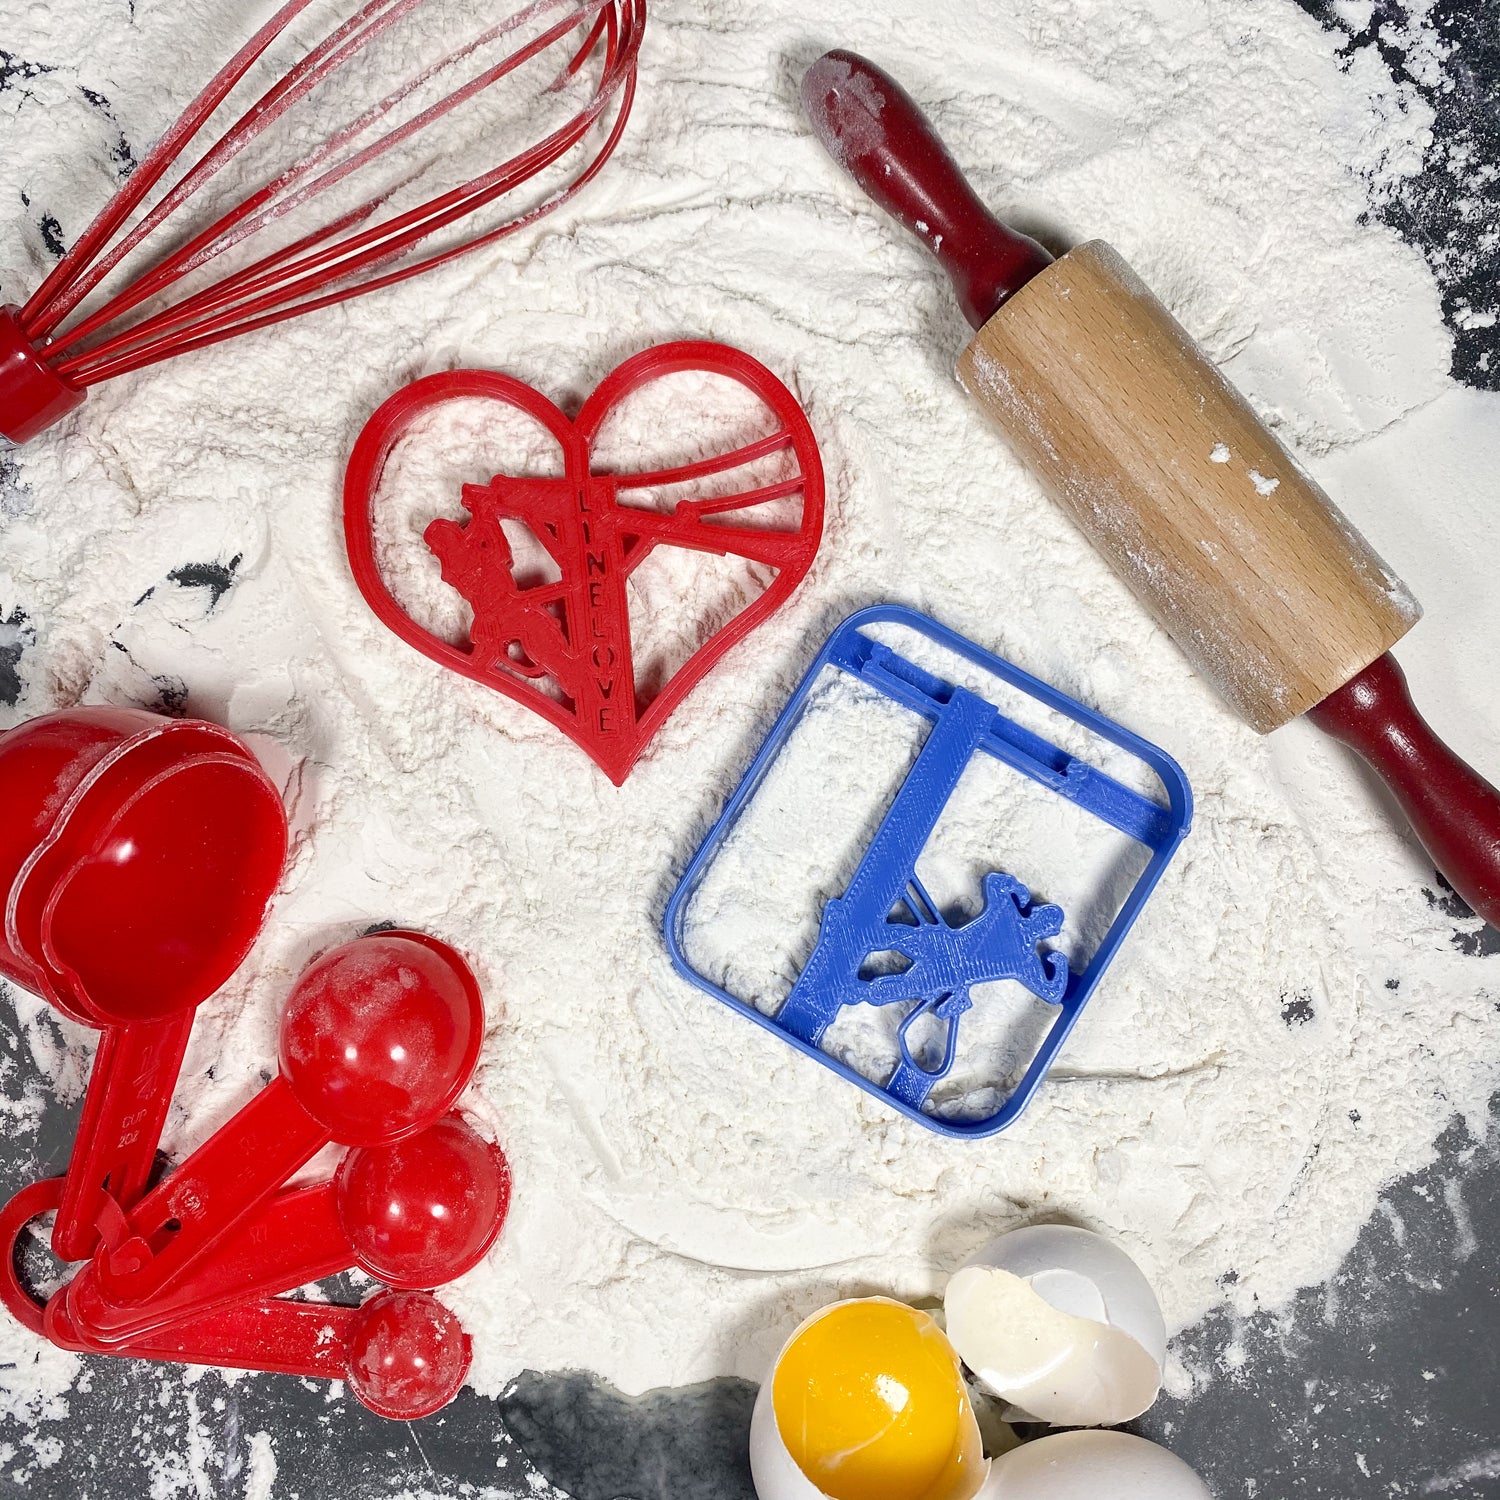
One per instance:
(866, 1401)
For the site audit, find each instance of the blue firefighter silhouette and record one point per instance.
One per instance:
(885, 941)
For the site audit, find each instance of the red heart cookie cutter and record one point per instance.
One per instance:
(574, 633)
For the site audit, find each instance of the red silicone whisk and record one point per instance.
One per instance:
(334, 176)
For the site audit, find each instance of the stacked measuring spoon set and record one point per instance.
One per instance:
(136, 871)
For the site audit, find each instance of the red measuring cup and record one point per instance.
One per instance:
(47, 765)
(136, 876)
(378, 1039)
(414, 1215)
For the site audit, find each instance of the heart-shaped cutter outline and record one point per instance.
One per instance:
(395, 417)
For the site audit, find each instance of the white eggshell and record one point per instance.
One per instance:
(1083, 1273)
(773, 1470)
(1060, 1322)
(1090, 1466)
(1055, 1367)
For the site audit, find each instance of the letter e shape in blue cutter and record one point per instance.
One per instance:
(943, 961)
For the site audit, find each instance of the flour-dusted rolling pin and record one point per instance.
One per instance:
(1250, 567)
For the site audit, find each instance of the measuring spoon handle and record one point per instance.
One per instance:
(129, 1093)
(237, 1168)
(284, 1338)
(289, 1241)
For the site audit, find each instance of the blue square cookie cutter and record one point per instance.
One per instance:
(884, 909)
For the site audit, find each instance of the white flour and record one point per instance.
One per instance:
(1291, 1023)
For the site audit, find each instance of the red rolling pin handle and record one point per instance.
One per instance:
(1452, 808)
(873, 128)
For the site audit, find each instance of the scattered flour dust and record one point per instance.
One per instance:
(260, 1479)
(1290, 1024)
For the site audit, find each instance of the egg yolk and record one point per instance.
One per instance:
(870, 1402)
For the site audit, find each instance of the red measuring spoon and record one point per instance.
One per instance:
(413, 1215)
(403, 1354)
(142, 893)
(378, 1039)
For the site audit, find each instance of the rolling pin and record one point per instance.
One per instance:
(1132, 430)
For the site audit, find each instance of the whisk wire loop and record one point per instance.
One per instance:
(364, 246)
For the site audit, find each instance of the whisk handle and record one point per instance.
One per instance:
(32, 396)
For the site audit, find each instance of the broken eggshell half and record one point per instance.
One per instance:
(1060, 1323)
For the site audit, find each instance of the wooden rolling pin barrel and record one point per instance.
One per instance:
(1238, 554)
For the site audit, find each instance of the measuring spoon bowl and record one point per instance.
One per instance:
(378, 1039)
(426, 1210)
(169, 892)
(413, 1215)
(381, 1035)
(408, 1355)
